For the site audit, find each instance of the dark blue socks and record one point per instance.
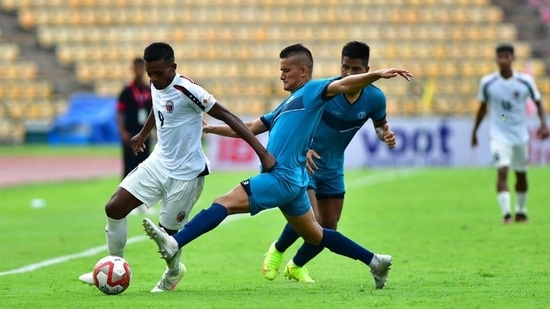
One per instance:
(203, 222)
(306, 253)
(287, 238)
(337, 243)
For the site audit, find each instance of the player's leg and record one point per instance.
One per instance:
(139, 187)
(330, 210)
(233, 202)
(274, 255)
(519, 163)
(329, 200)
(502, 155)
(307, 226)
(260, 192)
(176, 205)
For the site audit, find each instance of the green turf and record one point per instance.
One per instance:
(45, 150)
(441, 225)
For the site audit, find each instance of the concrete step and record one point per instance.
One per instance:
(63, 79)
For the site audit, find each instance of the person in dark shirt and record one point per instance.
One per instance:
(133, 107)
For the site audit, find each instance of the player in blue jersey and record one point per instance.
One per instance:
(342, 118)
(291, 127)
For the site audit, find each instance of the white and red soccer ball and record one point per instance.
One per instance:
(112, 275)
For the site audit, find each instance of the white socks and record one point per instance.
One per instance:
(174, 264)
(117, 234)
(503, 198)
(521, 202)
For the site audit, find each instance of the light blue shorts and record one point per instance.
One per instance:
(268, 190)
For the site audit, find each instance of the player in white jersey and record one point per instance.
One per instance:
(505, 93)
(174, 172)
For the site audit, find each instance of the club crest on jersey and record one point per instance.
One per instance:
(169, 106)
(361, 115)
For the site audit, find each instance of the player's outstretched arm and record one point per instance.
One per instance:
(219, 111)
(354, 83)
(256, 126)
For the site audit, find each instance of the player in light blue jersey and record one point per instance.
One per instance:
(343, 116)
(291, 127)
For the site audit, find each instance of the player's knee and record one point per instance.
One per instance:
(113, 211)
(313, 237)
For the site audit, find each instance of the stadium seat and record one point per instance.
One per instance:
(240, 40)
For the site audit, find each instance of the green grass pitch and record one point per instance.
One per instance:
(441, 225)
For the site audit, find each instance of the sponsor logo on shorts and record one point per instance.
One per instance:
(181, 216)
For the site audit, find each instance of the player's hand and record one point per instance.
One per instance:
(206, 128)
(543, 133)
(389, 136)
(474, 141)
(137, 143)
(391, 73)
(311, 167)
(268, 161)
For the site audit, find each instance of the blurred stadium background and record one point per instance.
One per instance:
(52, 51)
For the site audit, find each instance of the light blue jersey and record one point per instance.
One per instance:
(339, 123)
(291, 129)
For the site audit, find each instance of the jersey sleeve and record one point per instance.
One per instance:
(379, 111)
(481, 92)
(314, 93)
(268, 118)
(533, 90)
(201, 99)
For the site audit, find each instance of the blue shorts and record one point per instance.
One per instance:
(327, 184)
(267, 190)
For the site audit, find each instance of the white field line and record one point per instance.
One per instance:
(361, 182)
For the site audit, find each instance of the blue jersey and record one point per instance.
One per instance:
(291, 128)
(339, 123)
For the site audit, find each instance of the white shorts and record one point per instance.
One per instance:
(177, 197)
(514, 156)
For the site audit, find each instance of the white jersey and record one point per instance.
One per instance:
(507, 99)
(178, 111)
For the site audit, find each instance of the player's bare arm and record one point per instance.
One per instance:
(543, 129)
(219, 112)
(256, 126)
(354, 83)
(138, 141)
(479, 117)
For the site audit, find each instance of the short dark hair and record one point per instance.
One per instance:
(505, 47)
(306, 58)
(357, 50)
(138, 61)
(159, 50)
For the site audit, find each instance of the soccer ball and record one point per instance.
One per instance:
(112, 275)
